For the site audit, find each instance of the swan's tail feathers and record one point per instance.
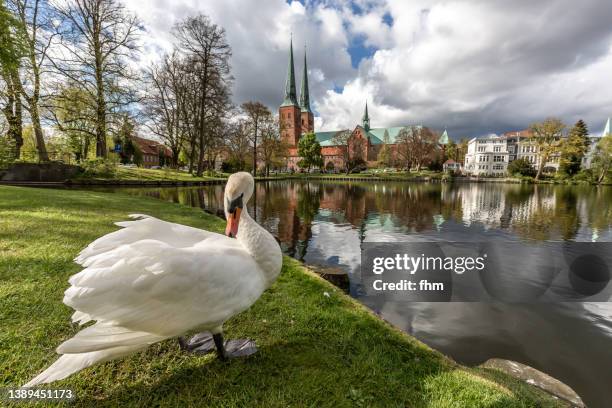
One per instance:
(69, 364)
(103, 335)
(95, 344)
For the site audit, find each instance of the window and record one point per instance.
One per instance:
(482, 148)
(498, 158)
(497, 149)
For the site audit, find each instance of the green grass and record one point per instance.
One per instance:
(315, 350)
(165, 174)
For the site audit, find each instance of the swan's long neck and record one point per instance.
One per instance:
(261, 245)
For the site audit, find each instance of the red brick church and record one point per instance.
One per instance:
(297, 119)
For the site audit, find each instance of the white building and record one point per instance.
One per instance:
(528, 149)
(487, 156)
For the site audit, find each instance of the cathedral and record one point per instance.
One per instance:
(296, 118)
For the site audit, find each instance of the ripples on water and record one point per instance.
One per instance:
(325, 223)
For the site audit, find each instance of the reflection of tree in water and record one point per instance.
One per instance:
(308, 202)
(516, 196)
(566, 212)
(594, 207)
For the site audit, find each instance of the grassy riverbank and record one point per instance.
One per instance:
(315, 350)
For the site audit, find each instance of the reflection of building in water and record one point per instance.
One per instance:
(496, 206)
(482, 203)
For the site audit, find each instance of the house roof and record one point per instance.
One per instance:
(450, 161)
(377, 136)
(148, 146)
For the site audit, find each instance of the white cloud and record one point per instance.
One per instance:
(475, 66)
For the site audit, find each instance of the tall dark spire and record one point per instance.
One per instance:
(305, 94)
(366, 118)
(290, 93)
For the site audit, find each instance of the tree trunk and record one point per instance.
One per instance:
(100, 101)
(38, 133)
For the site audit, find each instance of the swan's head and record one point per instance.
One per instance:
(238, 191)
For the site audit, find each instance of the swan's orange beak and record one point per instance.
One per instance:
(231, 230)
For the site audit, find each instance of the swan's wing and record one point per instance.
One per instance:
(153, 287)
(144, 227)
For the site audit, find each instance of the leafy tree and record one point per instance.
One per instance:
(74, 118)
(547, 138)
(521, 166)
(99, 40)
(35, 18)
(13, 48)
(309, 150)
(385, 156)
(602, 159)
(573, 149)
(130, 152)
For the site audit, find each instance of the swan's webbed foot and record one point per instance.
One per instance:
(203, 343)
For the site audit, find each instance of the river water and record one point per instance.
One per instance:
(325, 223)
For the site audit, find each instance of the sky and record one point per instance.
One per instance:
(475, 67)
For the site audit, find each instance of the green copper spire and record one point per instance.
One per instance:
(607, 128)
(304, 94)
(444, 138)
(366, 119)
(290, 94)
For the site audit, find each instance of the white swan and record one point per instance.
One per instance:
(154, 280)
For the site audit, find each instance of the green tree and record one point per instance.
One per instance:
(547, 138)
(75, 118)
(602, 159)
(130, 152)
(385, 158)
(13, 48)
(309, 150)
(522, 167)
(573, 149)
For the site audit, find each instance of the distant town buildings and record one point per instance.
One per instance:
(296, 119)
(490, 155)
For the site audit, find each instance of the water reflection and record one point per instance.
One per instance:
(326, 223)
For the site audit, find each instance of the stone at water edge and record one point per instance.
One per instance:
(536, 378)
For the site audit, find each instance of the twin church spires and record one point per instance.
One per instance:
(290, 89)
(295, 119)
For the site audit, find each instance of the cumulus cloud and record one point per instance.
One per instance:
(473, 66)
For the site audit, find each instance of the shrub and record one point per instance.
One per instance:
(99, 167)
(521, 167)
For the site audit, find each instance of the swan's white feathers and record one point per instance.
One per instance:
(153, 287)
(177, 235)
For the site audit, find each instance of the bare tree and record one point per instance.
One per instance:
(237, 143)
(416, 146)
(351, 149)
(206, 52)
(98, 41)
(271, 150)
(164, 103)
(256, 112)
